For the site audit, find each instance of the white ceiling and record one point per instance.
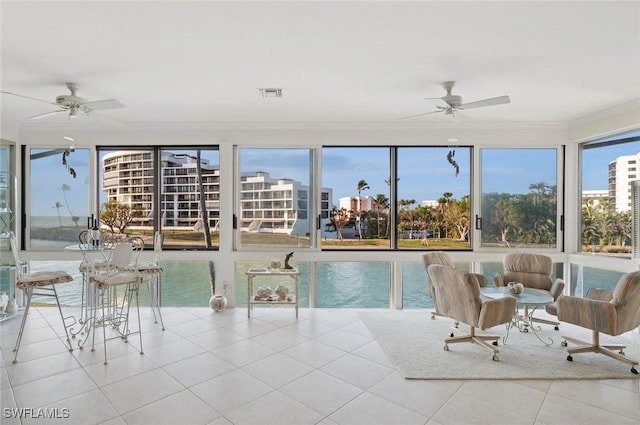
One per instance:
(336, 61)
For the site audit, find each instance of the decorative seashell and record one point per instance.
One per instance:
(515, 287)
(282, 291)
(264, 292)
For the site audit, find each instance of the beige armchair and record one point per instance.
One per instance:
(533, 271)
(442, 258)
(458, 297)
(611, 312)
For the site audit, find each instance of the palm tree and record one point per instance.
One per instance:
(381, 201)
(339, 218)
(388, 182)
(65, 187)
(57, 206)
(362, 185)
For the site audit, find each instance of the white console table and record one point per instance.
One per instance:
(252, 273)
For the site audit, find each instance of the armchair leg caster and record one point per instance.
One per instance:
(495, 342)
(556, 328)
(495, 358)
(570, 358)
(563, 343)
(634, 370)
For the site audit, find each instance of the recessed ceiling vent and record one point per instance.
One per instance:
(270, 92)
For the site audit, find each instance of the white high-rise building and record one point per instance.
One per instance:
(622, 171)
(267, 204)
(278, 205)
(128, 178)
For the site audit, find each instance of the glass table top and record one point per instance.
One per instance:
(529, 296)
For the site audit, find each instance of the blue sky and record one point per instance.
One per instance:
(425, 173)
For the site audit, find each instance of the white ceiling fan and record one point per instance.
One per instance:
(453, 103)
(72, 103)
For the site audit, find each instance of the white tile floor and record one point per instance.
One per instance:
(222, 368)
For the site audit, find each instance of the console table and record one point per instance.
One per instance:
(252, 299)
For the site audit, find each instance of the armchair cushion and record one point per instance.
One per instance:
(599, 294)
(612, 312)
(591, 314)
(557, 288)
(458, 296)
(532, 270)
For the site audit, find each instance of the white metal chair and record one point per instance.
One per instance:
(153, 270)
(42, 283)
(107, 311)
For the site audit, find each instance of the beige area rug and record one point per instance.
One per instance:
(414, 343)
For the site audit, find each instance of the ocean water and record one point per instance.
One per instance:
(187, 283)
(344, 284)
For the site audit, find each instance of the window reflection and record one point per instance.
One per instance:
(59, 196)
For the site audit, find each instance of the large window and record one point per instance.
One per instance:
(519, 198)
(361, 208)
(434, 207)
(276, 197)
(58, 196)
(609, 167)
(398, 197)
(182, 184)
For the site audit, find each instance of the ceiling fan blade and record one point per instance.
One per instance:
(28, 97)
(103, 104)
(486, 102)
(46, 114)
(420, 115)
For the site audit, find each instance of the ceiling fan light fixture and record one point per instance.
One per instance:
(73, 111)
(268, 93)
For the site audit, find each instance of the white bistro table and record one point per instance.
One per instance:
(252, 297)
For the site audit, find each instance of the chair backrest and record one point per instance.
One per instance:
(157, 246)
(626, 298)
(137, 244)
(435, 257)
(122, 255)
(532, 270)
(16, 254)
(457, 293)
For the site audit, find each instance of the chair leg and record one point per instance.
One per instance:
(478, 339)
(595, 347)
(29, 293)
(64, 322)
(104, 327)
(454, 330)
(154, 294)
(139, 322)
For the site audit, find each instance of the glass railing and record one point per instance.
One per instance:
(351, 284)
